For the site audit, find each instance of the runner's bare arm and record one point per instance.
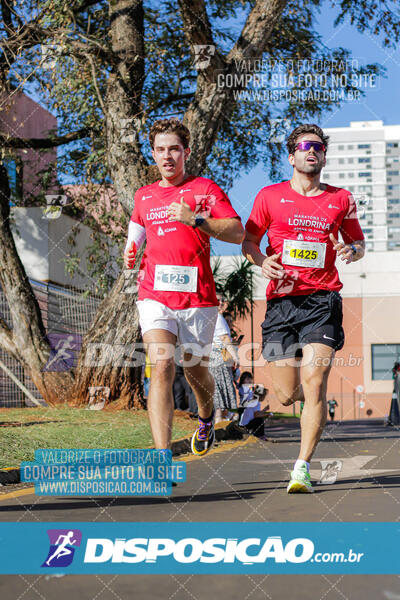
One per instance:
(346, 251)
(270, 267)
(227, 230)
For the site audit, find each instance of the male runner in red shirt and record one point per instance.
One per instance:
(177, 301)
(303, 218)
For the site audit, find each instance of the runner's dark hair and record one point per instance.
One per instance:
(171, 125)
(301, 130)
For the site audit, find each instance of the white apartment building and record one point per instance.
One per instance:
(365, 159)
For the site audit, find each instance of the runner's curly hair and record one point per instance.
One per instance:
(172, 125)
(301, 130)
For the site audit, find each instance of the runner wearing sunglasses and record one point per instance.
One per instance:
(303, 323)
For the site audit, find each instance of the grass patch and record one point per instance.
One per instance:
(24, 430)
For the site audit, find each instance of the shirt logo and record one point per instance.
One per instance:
(283, 200)
(300, 236)
(145, 197)
(332, 206)
(160, 231)
(183, 191)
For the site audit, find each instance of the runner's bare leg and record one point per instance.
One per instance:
(202, 383)
(285, 376)
(160, 402)
(316, 365)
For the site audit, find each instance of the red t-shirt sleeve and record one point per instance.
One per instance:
(135, 217)
(217, 203)
(259, 219)
(350, 227)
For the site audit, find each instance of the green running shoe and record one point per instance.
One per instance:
(300, 482)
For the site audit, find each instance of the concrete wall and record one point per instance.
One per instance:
(42, 245)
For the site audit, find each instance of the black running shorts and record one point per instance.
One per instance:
(292, 322)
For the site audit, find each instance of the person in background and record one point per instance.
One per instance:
(331, 407)
(253, 405)
(223, 356)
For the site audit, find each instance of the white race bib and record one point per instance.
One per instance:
(304, 254)
(173, 278)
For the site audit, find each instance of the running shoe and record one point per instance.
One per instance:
(204, 436)
(300, 482)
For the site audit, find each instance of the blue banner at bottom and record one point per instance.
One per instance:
(209, 548)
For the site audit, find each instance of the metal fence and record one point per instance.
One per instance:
(63, 311)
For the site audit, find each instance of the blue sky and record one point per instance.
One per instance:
(378, 104)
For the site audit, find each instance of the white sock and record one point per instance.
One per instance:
(301, 463)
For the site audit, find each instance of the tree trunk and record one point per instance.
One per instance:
(26, 340)
(116, 322)
(110, 357)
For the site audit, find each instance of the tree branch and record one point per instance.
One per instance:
(43, 143)
(257, 29)
(6, 341)
(198, 32)
(96, 86)
(6, 14)
(212, 103)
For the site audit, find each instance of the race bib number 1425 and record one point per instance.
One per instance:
(304, 254)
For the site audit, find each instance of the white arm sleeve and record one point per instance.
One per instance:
(137, 234)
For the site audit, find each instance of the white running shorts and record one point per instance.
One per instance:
(193, 327)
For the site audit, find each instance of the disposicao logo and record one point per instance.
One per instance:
(62, 547)
(190, 550)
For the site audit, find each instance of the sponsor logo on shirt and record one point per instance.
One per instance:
(332, 206)
(145, 197)
(157, 213)
(283, 200)
(308, 222)
(300, 236)
(160, 231)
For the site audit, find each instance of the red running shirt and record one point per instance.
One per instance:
(287, 215)
(173, 243)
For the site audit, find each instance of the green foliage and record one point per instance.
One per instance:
(236, 287)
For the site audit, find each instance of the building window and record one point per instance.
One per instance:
(351, 174)
(365, 174)
(326, 176)
(350, 147)
(393, 172)
(341, 161)
(363, 146)
(340, 147)
(350, 160)
(392, 145)
(364, 160)
(383, 358)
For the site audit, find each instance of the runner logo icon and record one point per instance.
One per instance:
(62, 547)
(160, 231)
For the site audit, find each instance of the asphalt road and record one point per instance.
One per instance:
(356, 475)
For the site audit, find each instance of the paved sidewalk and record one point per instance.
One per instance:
(240, 482)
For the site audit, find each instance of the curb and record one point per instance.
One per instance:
(11, 475)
